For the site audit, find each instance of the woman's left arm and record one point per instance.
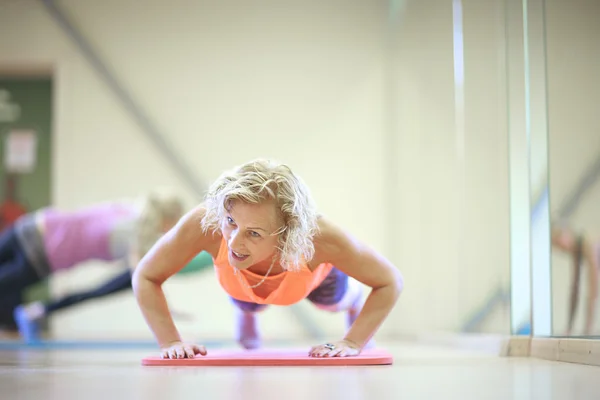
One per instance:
(359, 261)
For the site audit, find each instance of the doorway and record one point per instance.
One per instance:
(25, 167)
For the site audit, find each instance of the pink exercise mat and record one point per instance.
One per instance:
(280, 357)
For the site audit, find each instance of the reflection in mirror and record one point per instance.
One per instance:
(574, 142)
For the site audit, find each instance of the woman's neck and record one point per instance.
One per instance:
(262, 267)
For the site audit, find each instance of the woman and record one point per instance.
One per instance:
(269, 246)
(583, 251)
(48, 241)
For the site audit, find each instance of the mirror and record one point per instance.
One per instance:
(574, 143)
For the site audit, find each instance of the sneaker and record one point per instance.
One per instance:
(29, 327)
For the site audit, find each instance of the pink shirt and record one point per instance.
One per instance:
(73, 237)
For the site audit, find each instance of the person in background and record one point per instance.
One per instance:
(46, 242)
(584, 252)
(11, 208)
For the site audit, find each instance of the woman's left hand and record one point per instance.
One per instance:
(342, 348)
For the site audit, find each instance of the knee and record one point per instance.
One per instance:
(328, 300)
(344, 301)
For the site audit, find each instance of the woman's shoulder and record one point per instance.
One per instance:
(189, 229)
(331, 240)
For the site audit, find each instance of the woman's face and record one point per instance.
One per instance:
(248, 229)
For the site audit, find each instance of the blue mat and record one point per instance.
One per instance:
(86, 344)
(111, 344)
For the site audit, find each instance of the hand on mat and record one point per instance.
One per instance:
(343, 348)
(182, 350)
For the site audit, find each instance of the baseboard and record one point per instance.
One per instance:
(571, 350)
(516, 346)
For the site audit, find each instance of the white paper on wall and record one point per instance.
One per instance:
(20, 151)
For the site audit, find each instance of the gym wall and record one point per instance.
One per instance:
(370, 124)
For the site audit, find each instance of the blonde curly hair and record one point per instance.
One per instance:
(157, 207)
(262, 180)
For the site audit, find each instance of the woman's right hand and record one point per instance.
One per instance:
(177, 350)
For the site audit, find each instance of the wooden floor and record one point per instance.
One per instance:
(419, 372)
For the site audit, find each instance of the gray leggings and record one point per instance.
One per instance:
(329, 292)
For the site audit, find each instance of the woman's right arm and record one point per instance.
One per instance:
(169, 255)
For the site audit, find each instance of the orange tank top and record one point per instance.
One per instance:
(293, 286)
